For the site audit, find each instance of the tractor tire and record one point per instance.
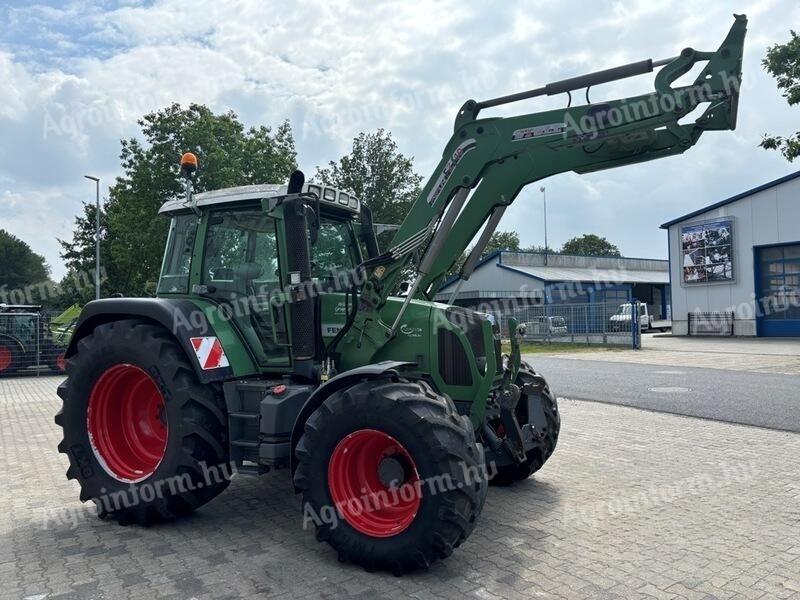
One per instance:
(11, 359)
(391, 475)
(508, 474)
(53, 358)
(145, 440)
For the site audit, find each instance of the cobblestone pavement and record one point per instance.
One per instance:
(756, 355)
(632, 505)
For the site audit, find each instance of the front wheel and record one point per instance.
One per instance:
(391, 475)
(145, 440)
(547, 422)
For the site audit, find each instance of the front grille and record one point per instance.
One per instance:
(454, 365)
(471, 323)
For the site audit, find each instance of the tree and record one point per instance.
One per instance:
(590, 245)
(540, 249)
(134, 235)
(378, 174)
(783, 63)
(23, 273)
(502, 240)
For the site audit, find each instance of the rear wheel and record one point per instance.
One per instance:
(549, 427)
(10, 358)
(391, 475)
(145, 440)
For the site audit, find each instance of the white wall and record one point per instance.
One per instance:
(490, 277)
(768, 217)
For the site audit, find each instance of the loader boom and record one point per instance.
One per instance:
(488, 161)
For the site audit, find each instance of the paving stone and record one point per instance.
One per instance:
(633, 504)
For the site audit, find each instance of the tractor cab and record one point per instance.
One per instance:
(232, 247)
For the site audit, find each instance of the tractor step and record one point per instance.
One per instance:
(242, 415)
(244, 444)
(261, 414)
(243, 399)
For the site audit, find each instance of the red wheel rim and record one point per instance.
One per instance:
(127, 423)
(5, 358)
(357, 474)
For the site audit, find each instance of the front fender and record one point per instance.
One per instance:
(342, 380)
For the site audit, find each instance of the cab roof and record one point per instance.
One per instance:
(329, 197)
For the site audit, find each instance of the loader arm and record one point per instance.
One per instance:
(488, 161)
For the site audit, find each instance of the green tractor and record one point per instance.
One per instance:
(30, 338)
(282, 337)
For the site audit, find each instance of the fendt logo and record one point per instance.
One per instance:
(414, 332)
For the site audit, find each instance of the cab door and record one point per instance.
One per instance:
(241, 271)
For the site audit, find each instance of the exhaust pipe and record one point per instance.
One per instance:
(298, 257)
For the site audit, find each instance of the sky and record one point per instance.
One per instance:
(75, 76)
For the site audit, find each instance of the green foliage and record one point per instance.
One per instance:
(377, 173)
(134, 234)
(540, 249)
(783, 63)
(590, 245)
(23, 273)
(502, 240)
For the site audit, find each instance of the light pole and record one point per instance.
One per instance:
(544, 198)
(96, 238)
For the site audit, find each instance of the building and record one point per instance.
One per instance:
(507, 280)
(741, 257)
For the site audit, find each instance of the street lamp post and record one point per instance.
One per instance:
(96, 237)
(544, 198)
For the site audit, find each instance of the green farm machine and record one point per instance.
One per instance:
(30, 338)
(279, 338)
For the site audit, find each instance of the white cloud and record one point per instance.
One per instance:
(338, 68)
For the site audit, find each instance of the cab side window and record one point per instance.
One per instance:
(332, 252)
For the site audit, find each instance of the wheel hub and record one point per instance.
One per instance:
(374, 483)
(5, 358)
(392, 471)
(127, 423)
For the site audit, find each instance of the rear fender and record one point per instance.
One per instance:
(183, 319)
(13, 340)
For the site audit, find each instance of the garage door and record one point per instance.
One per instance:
(778, 277)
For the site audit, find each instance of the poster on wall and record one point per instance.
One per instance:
(707, 250)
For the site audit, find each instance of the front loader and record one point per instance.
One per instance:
(276, 340)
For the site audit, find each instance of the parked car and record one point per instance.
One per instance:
(541, 327)
(621, 320)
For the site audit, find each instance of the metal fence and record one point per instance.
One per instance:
(32, 341)
(602, 324)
